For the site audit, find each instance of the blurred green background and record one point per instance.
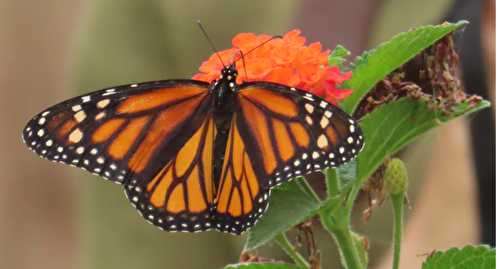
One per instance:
(53, 216)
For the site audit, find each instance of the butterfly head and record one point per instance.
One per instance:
(228, 76)
(224, 89)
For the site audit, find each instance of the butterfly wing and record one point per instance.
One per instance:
(240, 198)
(126, 134)
(288, 132)
(181, 195)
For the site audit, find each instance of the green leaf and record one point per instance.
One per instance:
(394, 125)
(292, 185)
(374, 65)
(337, 57)
(469, 257)
(263, 265)
(286, 209)
(347, 174)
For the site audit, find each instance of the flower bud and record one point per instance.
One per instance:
(396, 178)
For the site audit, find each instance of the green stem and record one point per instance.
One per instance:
(353, 193)
(288, 248)
(397, 205)
(307, 189)
(340, 229)
(332, 182)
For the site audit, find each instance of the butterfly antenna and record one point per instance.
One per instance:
(262, 44)
(242, 58)
(210, 41)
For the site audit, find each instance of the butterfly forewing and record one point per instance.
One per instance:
(290, 132)
(121, 133)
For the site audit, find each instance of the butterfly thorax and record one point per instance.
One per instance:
(223, 91)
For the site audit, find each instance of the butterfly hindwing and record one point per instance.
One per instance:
(290, 132)
(240, 198)
(121, 133)
(181, 196)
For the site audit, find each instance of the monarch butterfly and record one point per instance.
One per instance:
(194, 155)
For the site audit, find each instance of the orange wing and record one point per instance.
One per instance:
(126, 134)
(181, 195)
(289, 132)
(240, 198)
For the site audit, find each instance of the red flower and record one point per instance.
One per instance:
(286, 61)
(334, 77)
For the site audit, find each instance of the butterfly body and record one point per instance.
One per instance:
(195, 156)
(223, 106)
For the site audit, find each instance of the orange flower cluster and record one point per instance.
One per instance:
(285, 61)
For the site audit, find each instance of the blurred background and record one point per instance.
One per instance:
(55, 216)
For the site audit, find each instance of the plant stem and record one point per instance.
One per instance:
(397, 205)
(340, 229)
(288, 248)
(307, 189)
(332, 182)
(353, 193)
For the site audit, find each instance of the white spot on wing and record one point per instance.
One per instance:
(322, 142)
(324, 122)
(100, 115)
(80, 116)
(85, 99)
(76, 108)
(103, 103)
(76, 136)
(309, 120)
(80, 150)
(309, 108)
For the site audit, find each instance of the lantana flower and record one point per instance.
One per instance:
(285, 61)
(333, 78)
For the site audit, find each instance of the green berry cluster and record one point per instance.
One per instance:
(396, 178)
